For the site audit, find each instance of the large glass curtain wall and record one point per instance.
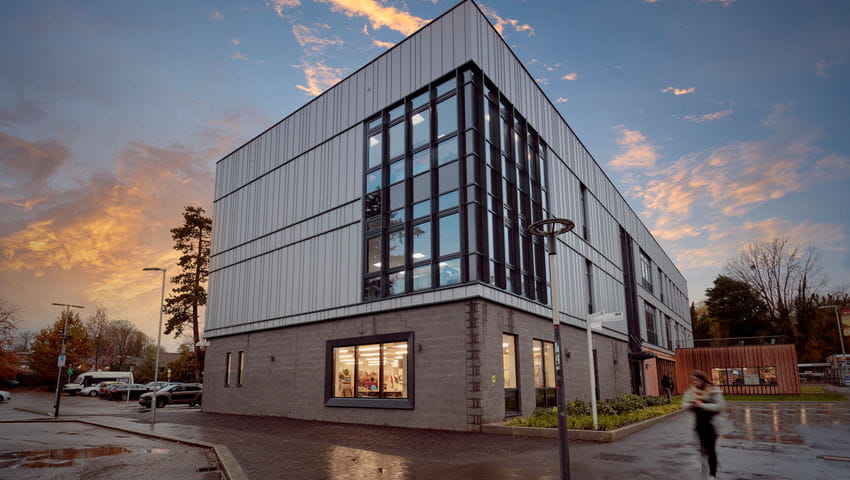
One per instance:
(454, 176)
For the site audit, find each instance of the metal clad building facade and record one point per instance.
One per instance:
(292, 252)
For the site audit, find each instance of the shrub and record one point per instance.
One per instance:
(612, 413)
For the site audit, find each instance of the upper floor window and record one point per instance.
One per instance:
(452, 180)
(645, 271)
(585, 233)
(651, 331)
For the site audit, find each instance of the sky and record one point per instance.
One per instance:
(721, 122)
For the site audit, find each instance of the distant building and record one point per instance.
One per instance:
(371, 262)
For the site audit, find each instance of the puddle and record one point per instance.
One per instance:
(59, 457)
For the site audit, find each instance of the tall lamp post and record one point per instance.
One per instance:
(551, 228)
(61, 361)
(840, 331)
(158, 343)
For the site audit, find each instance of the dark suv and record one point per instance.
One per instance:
(186, 393)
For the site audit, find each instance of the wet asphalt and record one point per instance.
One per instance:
(804, 440)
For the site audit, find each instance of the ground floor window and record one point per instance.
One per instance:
(509, 363)
(371, 371)
(544, 373)
(227, 359)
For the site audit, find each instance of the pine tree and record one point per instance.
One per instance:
(192, 239)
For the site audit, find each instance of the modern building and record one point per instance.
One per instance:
(371, 261)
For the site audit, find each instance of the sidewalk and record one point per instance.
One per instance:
(771, 441)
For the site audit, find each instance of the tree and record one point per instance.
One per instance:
(97, 328)
(192, 239)
(8, 359)
(128, 344)
(781, 275)
(701, 323)
(183, 369)
(24, 340)
(48, 344)
(818, 333)
(734, 309)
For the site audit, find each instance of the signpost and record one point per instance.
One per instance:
(595, 321)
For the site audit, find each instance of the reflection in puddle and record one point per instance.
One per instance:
(160, 451)
(59, 457)
(356, 464)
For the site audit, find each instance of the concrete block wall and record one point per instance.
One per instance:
(457, 361)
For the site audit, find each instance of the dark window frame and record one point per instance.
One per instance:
(227, 368)
(386, 403)
(515, 393)
(240, 367)
(547, 392)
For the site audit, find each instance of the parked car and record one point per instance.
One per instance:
(119, 391)
(93, 390)
(186, 393)
(5, 396)
(104, 387)
(151, 386)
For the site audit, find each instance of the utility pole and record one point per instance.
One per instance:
(61, 361)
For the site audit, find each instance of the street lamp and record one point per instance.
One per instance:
(550, 228)
(158, 342)
(61, 361)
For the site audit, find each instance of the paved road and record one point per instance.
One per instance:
(771, 441)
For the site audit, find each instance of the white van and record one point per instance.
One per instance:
(88, 379)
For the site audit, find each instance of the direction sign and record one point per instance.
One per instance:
(600, 317)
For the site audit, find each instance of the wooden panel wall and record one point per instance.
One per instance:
(783, 357)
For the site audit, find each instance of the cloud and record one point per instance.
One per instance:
(378, 15)
(726, 183)
(216, 15)
(561, 100)
(22, 111)
(708, 117)
(502, 22)
(823, 67)
(570, 76)
(725, 3)
(678, 91)
(26, 167)
(109, 219)
(319, 77)
(311, 43)
(635, 151)
(280, 5)
(381, 44)
(235, 42)
(542, 81)
(237, 55)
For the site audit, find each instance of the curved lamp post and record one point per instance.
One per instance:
(551, 228)
(158, 343)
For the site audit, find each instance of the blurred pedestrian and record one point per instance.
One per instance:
(705, 399)
(667, 386)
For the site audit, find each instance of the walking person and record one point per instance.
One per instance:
(705, 399)
(667, 386)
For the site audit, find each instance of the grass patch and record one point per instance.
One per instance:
(612, 413)
(810, 393)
